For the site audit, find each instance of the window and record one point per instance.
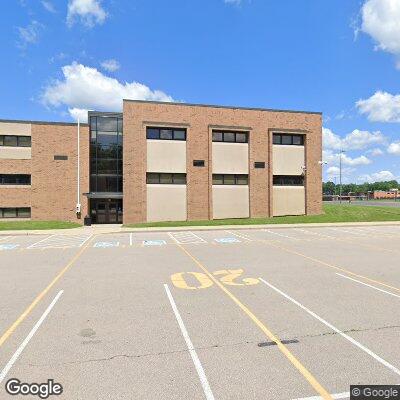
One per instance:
(15, 141)
(166, 179)
(230, 137)
(198, 163)
(21, 212)
(15, 179)
(287, 139)
(230, 179)
(166, 134)
(288, 180)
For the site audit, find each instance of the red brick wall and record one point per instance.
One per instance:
(199, 119)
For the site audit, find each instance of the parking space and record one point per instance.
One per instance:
(218, 314)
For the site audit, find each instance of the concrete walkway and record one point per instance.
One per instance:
(104, 229)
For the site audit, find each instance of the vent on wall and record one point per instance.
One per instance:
(60, 157)
(198, 163)
(259, 164)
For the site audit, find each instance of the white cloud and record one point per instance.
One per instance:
(394, 148)
(334, 158)
(377, 177)
(89, 12)
(85, 88)
(356, 140)
(110, 65)
(78, 113)
(48, 5)
(375, 152)
(380, 20)
(334, 172)
(29, 34)
(381, 107)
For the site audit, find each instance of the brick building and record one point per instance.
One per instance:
(163, 161)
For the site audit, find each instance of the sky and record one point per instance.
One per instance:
(61, 58)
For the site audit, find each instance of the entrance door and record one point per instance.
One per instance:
(107, 211)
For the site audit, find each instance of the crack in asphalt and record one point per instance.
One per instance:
(128, 356)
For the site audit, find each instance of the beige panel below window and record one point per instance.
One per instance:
(289, 200)
(166, 203)
(230, 158)
(230, 201)
(15, 153)
(166, 156)
(288, 160)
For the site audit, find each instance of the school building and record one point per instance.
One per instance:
(163, 162)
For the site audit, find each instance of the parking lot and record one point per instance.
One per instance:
(288, 313)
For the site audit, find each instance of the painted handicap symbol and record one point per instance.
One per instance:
(8, 246)
(154, 242)
(227, 240)
(106, 244)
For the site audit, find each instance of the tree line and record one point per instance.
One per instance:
(330, 187)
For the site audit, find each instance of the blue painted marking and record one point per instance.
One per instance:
(154, 242)
(227, 240)
(106, 244)
(8, 246)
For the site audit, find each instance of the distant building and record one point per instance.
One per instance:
(382, 194)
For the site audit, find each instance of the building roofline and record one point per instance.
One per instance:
(219, 106)
(105, 113)
(20, 121)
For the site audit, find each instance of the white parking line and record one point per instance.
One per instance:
(280, 234)
(21, 348)
(245, 237)
(186, 237)
(5, 238)
(366, 284)
(40, 241)
(349, 338)
(196, 361)
(353, 232)
(130, 239)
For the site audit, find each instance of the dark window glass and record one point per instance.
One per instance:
(93, 123)
(152, 178)
(218, 179)
(242, 179)
(107, 138)
(286, 139)
(15, 179)
(107, 183)
(229, 179)
(297, 140)
(229, 137)
(153, 133)
(166, 178)
(120, 125)
(217, 137)
(11, 141)
(24, 141)
(277, 139)
(166, 134)
(1, 140)
(24, 212)
(107, 166)
(179, 135)
(288, 180)
(241, 138)
(9, 212)
(179, 179)
(107, 124)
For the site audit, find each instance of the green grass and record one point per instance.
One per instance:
(332, 213)
(36, 225)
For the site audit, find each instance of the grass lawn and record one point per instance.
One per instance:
(332, 213)
(33, 225)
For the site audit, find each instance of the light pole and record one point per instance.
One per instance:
(340, 176)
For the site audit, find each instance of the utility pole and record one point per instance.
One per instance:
(340, 176)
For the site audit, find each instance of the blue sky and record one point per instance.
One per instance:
(341, 57)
